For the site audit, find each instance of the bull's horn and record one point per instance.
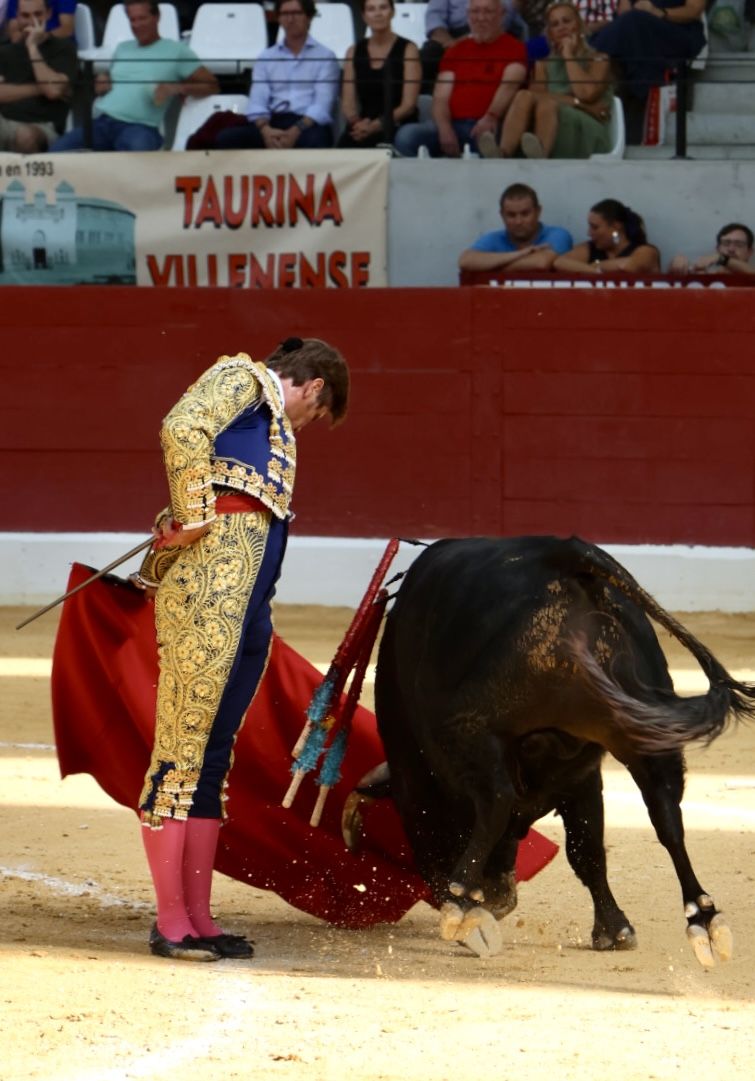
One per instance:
(374, 785)
(377, 782)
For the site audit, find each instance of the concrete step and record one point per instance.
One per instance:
(715, 129)
(695, 152)
(724, 98)
(728, 67)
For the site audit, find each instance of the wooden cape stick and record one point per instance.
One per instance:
(98, 574)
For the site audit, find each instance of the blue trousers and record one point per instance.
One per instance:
(249, 137)
(110, 134)
(410, 137)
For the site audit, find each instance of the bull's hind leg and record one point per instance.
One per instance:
(661, 781)
(582, 812)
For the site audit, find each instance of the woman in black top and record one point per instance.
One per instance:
(617, 241)
(381, 80)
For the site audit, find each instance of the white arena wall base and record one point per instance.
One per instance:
(335, 571)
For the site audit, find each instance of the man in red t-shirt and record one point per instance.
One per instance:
(479, 76)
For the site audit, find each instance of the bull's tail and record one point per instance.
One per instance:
(664, 722)
(588, 559)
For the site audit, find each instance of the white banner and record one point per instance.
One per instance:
(243, 219)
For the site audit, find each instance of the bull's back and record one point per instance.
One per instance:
(489, 620)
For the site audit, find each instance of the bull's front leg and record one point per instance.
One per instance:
(480, 776)
(661, 781)
(582, 813)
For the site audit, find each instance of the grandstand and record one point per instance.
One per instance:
(679, 435)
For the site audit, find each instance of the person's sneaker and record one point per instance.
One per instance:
(188, 949)
(488, 146)
(531, 146)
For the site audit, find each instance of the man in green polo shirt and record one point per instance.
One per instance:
(133, 97)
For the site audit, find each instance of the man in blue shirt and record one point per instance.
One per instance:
(524, 243)
(295, 85)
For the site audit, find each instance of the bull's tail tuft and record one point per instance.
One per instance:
(665, 722)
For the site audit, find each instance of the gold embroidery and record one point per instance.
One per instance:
(199, 611)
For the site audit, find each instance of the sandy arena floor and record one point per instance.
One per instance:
(81, 999)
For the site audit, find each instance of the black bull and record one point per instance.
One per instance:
(506, 670)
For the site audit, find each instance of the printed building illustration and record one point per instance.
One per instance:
(71, 240)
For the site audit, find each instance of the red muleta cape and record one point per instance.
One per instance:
(104, 681)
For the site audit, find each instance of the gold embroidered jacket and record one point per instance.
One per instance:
(229, 430)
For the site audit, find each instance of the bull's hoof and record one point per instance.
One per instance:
(451, 916)
(484, 938)
(713, 943)
(475, 928)
(625, 939)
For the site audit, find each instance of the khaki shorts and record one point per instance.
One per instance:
(8, 129)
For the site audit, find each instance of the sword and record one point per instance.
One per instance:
(93, 578)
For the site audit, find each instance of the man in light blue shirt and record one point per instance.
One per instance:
(295, 86)
(134, 95)
(524, 243)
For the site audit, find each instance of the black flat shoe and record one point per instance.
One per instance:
(188, 949)
(234, 946)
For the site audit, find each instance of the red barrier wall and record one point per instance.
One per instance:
(624, 415)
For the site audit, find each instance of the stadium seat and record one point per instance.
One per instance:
(117, 29)
(409, 21)
(618, 134)
(333, 25)
(195, 111)
(228, 37)
(83, 24)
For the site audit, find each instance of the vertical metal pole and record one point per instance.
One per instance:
(682, 91)
(86, 121)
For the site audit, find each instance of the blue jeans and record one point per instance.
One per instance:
(110, 134)
(410, 137)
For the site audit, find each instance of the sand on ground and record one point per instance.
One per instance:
(81, 999)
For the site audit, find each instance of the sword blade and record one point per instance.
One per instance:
(82, 585)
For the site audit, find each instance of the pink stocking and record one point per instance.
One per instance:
(199, 859)
(165, 856)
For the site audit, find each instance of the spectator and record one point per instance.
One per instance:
(445, 22)
(617, 242)
(59, 20)
(380, 80)
(294, 89)
(646, 40)
(732, 255)
(566, 110)
(524, 243)
(146, 73)
(595, 15)
(478, 78)
(36, 78)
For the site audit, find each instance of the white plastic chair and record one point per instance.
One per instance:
(195, 111)
(333, 26)
(118, 29)
(618, 134)
(227, 38)
(409, 22)
(83, 27)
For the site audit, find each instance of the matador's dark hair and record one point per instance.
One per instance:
(301, 359)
